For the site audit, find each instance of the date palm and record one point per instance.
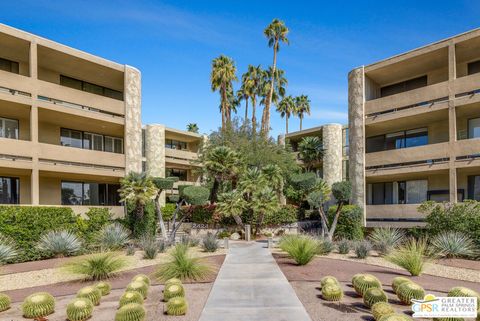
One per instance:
(275, 32)
(302, 107)
(252, 87)
(192, 127)
(221, 78)
(286, 107)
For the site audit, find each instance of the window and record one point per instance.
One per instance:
(397, 140)
(9, 190)
(345, 169)
(417, 191)
(403, 86)
(473, 67)
(9, 128)
(474, 128)
(174, 172)
(79, 193)
(403, 192)
(175, 144)
(9, 65)
(474, 187)
(89, 87)
(92, 141)
(71, 138)
(375, 144)
(416, 137)
(381, 193)
(345, 142)
(113, 145)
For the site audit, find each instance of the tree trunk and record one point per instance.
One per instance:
(324, 221)
(335, 221)
(259, 224)
(238, 220)
(160, 216)
(268, 102)
(286, 123)
(214, 191)
(223, 100)
(301, 118)
(254, 119)
(176, 226)
(246, 111)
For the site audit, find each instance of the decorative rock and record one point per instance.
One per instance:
(235, 236)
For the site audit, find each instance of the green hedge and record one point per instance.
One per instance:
(168, 210)
(146, 226)
(287, 214)
(350, 222)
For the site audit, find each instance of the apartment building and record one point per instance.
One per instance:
(414, 124)
(70, 124)
(334, 137)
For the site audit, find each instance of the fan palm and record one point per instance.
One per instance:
(221, 77)
(286, 107)
(264, 202)
(250, 181)
(231, 204)
(310, 151)
(192, 127)
(275, 32)
(272, 174)
(302, 107)
(251, 86)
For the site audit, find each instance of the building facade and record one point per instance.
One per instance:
(414, 124)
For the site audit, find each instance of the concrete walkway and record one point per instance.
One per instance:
(250, 286)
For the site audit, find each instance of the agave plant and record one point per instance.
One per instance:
(97, 266)
(454, 244)
(5, 302)
(210, 242)
(60, 243)
(150, 247)
(380, 309)
(79, 309)
(104, 287)
(173, 290)
(131, 312)
(408, 291)
(131, 297)
(385, 239)
(362, 249)
(91, 293)
(332, 292)
(113, 237)
(138, 286)
(374, 295)
(7, 249)
(176, 306)
(411, 256)
(38, 305)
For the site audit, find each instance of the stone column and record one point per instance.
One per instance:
(281, 140)
(155, 152)
(332, 157)
(35, 174)
(133, 120)
(452, 122)
(356, 122)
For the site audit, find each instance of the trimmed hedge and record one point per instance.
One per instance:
(146, 226)
(168, 210)
(287, 214)
(349, 224)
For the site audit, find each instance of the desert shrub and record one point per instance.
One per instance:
(301, 248)
(203, 214)
(325, 246)
(385, 239)
(150, 247)
(97, 266)
(168, 210)
(59, 243)
(210, 243)
(453, 244)
(7, 249)
(189, 240)
(362, 249)
(343, 246)
(113, 237)
(287, 214)
(350, 222)
(130, 249)
(183, 266)
(411, 256)
(97, 218)
(195, 195)
(224, 234)
(141, 227)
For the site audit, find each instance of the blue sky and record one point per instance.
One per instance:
(173, 43)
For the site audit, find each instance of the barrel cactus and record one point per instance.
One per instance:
(332, 292)
(395, 317)
(177, 306)
(141, 277)
(364, 282)
(374, 295)
(380, 309)
(104, 287)
(38, 305)
(397, 281)
(173, 290)
(408, 291)
(131, 297)
(79, 309)
(172, 281)
(328, 280)
(90, 292)
(131, 312)
(5, 302)
(138, 286)
(462, 291)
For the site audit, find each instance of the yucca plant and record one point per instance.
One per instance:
(363, 282)
(7, 249)
(38, 305)
(380, 309)
(5, 302)
(91, 293)
(173, 290)
(131, 297)
(328, 280)
(332, 292)
(141, 277)
(176, 306)
(113, 237)
(454, 244)
(374, 295)
(385, 239)
(183, 266)
(408, 291)
(60, 243)
(397, 281)
(395, 317)
(131, 312)
(104, 287)
(411, 256)
(210, 242)
(343, 246)
(97, 266)
(362, 249)
(138, 286)
(79, 309)
(301, 248)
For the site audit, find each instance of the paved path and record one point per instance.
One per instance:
(250, 286)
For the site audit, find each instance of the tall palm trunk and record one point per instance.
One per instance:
(286, 123)
(246, 111)
(224, 106)
(214, 191)
(266, 110)
(254, 119)
(301, 118)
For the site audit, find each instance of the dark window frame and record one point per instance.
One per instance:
(84, 85)
(18, 191)
(106, 195)
(404, 138)
(89, 132)
(389, 89)
(12, 63)
(18, 126)
(475, 66)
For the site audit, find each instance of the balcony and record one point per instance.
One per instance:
(177, 156)
(15, 87)
(398, 215)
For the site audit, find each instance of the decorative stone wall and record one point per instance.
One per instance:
(356, 123)
(133, 120)
(155, 150)
(332, 158)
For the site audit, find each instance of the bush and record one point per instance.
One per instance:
(203, 214)
(325, 246)
(7, 250)
(224, 234)
(113, 237)
(343, 246)
(210, 243)
(411, 256)
(59, 243)
(130, 249)
(168, 210)
(149, 246)
(350, 222)
(182, 265)
(97, 218)
(385, 239)
(287, 214)
(453, 244)
(98, 266)
(301, 248)
(141, 227)
(362, 249)
(196, 195)
(189, 240)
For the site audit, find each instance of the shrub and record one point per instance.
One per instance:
(343, 246)
(141, 277)
(182, 265)
(7, 250)
(287, 214)
(131, 312)
(79, 309)
(168, 210)
(38, 305)
(224, 234)
(300, 248)
(91, 293)
(328, 280)
(195, 195)
(325, 246)
(88, 228)
(138, 286)
(397, 281)
(130, 249)
(332, 292)
(150, 247)
(362, 282)
(385, 239)
(362, 249)
(98, 266)
(380, 309)
(5, 302)
(350, 222)
(104, 287)
(113, 237)
(59, 243)
(173, 290)
(131, 297)
(189, 240)
(408, 291)
(453, 244)
(411, 256)
(203, 214)
(210, 243)
(177, 306)
(374, 295)
(148, 225)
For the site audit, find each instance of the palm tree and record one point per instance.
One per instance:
(264, 202)
(192, 127)
(251, 85)
(272, 174)
(310, 151)
(286, 107)
(231, 203)
(242, 95)
(221, 77)
(279, 89)
(302, 107)
(275, 32)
